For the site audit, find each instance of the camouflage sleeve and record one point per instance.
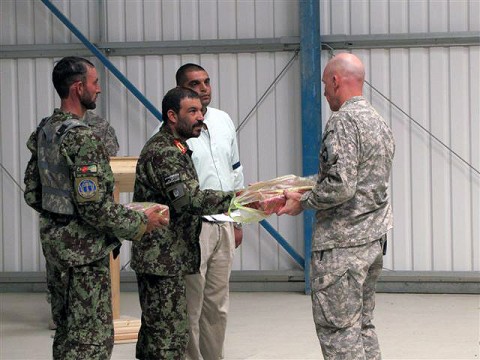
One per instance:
(103, 130)
(93, 182)
(111, 141)
(169, 172)
(337, 179)
(206, 202)
(33, 186)
(107, 135)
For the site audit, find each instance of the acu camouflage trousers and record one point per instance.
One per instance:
(82, 308)
(343, 282)
(164, 330)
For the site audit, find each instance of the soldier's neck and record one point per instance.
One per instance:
(72, 107)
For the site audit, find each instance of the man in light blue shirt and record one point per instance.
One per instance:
(216, 159)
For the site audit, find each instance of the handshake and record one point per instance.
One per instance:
(265, 198)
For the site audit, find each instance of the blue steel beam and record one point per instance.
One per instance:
(290, 250)
(311, 107)
(107, 63)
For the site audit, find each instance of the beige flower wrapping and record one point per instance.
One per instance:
(264, 198)
(162, 211)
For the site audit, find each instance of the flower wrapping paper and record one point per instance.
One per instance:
(264, 198)
(162, 211)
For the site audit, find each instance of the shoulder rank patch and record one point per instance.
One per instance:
(180, 146)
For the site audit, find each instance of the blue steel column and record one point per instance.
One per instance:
(311, 116)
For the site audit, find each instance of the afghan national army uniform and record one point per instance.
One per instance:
(166, 174)
(352, 219)
(69, 181)
(106, 133)
(103, 130)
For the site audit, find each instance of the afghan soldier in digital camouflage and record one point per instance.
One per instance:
(106, 133)
(353, 215)
(69, 181)
(166, 174)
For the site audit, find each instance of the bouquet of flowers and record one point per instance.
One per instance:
(264, 198)
(162, 211)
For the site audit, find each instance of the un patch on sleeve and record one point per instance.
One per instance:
(86, 189)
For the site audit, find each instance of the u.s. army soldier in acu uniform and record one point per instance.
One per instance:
(166, 174)
(353, 215)
(69, 181)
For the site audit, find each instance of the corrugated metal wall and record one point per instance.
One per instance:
(436, 197)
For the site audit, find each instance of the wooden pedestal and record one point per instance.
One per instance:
(126, 328)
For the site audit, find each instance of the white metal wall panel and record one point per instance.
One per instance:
(436, 198)
(353, 17)
(166, 20)
(474, 107)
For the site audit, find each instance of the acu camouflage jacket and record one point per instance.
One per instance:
(166, 175)
(350, 195)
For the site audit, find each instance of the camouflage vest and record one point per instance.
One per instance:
(54, 170)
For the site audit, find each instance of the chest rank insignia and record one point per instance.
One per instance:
(180, 146)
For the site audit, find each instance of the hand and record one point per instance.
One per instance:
(239, 192)
(293, 205)
(238, 236)
(156, 217)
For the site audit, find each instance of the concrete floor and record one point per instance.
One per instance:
(278, 325)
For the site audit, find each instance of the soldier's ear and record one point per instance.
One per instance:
(76, 88)
(172, 116)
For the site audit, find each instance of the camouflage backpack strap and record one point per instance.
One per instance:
(42, 123)
(68, 125)
(56, 135)
(63, 130)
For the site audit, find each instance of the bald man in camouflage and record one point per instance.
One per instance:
(353, 214)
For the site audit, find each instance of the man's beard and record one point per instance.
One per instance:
(89, 104)
(186, 132)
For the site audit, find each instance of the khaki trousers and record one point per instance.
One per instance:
(208, 292)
